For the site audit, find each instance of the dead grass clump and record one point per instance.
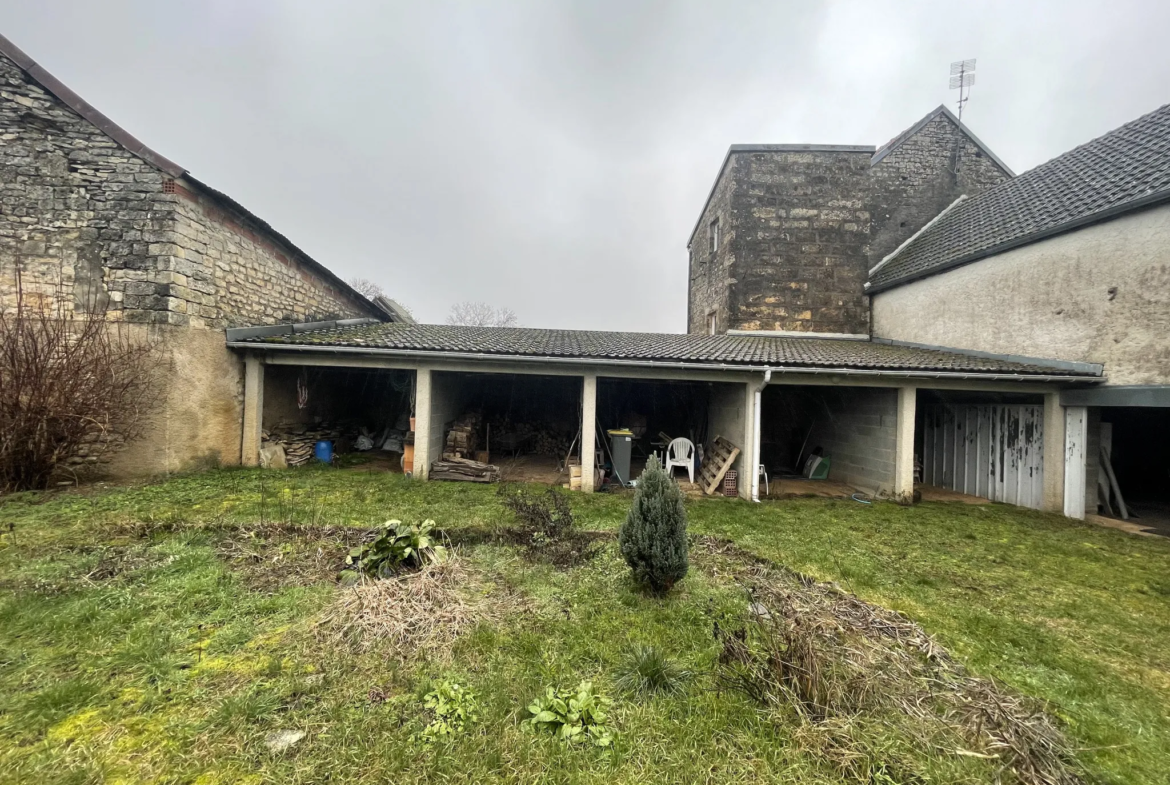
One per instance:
(415, 612)
(848, 669)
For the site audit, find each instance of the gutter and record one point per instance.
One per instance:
(755, 467)
(423, 354)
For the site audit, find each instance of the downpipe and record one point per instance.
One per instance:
(755, 450)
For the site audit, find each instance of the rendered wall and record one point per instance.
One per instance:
(1100, 294)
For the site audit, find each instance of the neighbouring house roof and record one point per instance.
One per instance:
(722, 351)
(901, 138)
(124, 138)
(1126, 169)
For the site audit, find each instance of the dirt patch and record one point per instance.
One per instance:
(422, 612)
(842, 665)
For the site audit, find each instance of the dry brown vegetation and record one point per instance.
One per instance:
(841, 665)
(422, 611)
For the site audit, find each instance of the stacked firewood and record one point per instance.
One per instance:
(463, 470)
(463, 437)
(299, 439)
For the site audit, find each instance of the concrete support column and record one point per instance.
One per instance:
(1053, 453)
(748, 459)
(588, 431)
(422, 423)
(904, 445)
(253, 410)
(1076, 437)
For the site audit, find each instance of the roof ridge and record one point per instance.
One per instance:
(941, 109)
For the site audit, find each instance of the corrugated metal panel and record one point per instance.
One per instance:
(993, 451)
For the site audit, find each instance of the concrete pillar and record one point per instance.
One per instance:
(422, 423)
(1076, 436)
(1053, 453)
(748, 460)
(588, 431)
(904, 445)
(253, 410)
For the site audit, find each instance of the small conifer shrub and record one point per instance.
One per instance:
(653, 539)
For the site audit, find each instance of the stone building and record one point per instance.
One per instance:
(789, 232)
(91, 216)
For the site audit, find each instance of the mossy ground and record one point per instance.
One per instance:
(161, 632)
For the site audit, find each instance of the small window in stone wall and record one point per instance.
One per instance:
(713, 236)
(712, 323)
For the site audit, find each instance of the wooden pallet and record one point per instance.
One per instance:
(716, 463)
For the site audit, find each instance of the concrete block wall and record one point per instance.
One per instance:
(859, 432)
(449, 396)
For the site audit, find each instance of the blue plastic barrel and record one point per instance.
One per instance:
(324, 451)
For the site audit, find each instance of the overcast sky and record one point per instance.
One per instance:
(552, 157)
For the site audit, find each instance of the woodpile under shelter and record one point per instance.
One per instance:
(491, 395)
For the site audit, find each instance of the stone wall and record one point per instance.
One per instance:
(711, 272)
(915, 182)
(76, 208)
(801, 230)
(87, 225)
(801, 225)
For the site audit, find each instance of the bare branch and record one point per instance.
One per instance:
(477, 314)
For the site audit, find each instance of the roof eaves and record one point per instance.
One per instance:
(1072, 366)
(1116, 211)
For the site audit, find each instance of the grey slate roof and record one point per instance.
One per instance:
(1123, 170)
(715, 350)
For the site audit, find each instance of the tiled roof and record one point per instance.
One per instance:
(1122, 170)
(722, 350)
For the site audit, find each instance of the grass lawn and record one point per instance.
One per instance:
(152, 633)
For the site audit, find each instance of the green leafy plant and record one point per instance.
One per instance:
(647, 670)
(653, 538)
(575, 716)
(452, 708)
(398, 545)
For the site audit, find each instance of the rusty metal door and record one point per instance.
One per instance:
(994, 451)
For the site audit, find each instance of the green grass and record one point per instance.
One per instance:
(174, 659)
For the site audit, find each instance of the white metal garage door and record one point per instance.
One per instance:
(993, 451)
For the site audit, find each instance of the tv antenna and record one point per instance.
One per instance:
(962, 77)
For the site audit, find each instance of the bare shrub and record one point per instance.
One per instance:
(545, 527)
(70, 383)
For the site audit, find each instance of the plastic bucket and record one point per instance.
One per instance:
(324, 451)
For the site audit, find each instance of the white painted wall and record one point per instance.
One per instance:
(1053, 299)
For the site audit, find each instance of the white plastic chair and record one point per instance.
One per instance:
(681, 452)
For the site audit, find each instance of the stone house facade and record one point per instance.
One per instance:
(789, 232)
(92, 219)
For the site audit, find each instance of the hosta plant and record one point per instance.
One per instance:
(398, 545)
(452, 708)
(575, 716)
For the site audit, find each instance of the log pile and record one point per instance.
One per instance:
(463, 470)
(462, 438)
(298, 440)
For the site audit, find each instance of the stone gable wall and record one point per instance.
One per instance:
(84, 220)
(916, 182)
(76, 208)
